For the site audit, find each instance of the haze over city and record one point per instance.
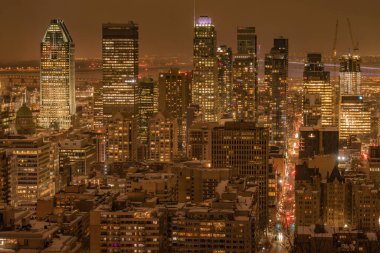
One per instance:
(166, 26)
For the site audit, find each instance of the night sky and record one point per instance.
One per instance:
(166, 25)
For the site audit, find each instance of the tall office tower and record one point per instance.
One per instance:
(243, 91)
(354, 118)
(57, 81)
(121, 138)
(205, 90)
(120, 53)
(174, 98)
(247, 44)
(29, 173)
(98, 107)
(350, 75)
(276, 78)
(162, 138)
(317, 81)
(147, 101)
(247, 40)
(224, 56)
(318, 140)
(243, 147)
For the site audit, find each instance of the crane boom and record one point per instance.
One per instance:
(355, 45)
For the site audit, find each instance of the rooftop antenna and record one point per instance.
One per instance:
(25, 95)
(194, 12)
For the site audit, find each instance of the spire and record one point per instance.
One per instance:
(24, 102)
(194, 12)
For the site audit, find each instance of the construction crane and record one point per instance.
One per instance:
(355, 44)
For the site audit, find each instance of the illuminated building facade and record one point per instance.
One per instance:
(336, 194)
(174, 97)
(317, 81)
(276, 79)
(29, 173)
(205, 91)
(307, 196)
(98, 107)
(121, 138)
(57, 77)
(228, 224)
(311, 109)
(80, 152)
(224, 56)
(366, 207)
(350, 75)
(247, 45)
(147, 98)
(143, 230)
(199, 144)
(244, 148)
(243, 93)
(5, 120)
(162, 138)
(120, 54)
(354, 117)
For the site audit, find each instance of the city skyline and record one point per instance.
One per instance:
(301, 23)
(192, 136)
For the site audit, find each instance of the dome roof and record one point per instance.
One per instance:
(24, 112)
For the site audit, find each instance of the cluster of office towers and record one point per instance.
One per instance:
(341, 104)
(182, 116)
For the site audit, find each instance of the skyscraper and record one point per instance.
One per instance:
(98, 107)
(243, 147)
(354, 114)
(243, 92)
(29, 172)
(162, 138)
(57, 81)
(174, 98)
(205, 90)
(247, 45)
(224, 55)
(121, 137)
(147, 96)
(350, 75)
(354, 117)
(276, 78)
(247, 40)
(318, 141)
(317, 81)
(120, 54)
